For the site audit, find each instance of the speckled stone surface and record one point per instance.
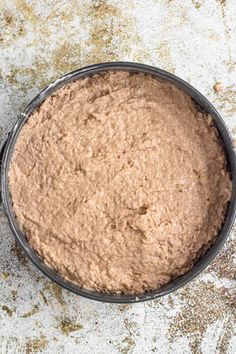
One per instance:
(41, 40)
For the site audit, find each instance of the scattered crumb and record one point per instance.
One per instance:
(5, 275)
(123, 307)
(67, 326)
(218, 87)
(170, 301)
(36, 345)
(14, 294)
(7, 310)
(34, 310)
(19, 254)
(57, 292)
(45, 300)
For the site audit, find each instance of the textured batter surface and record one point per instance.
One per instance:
(41, 40)
(119, 182)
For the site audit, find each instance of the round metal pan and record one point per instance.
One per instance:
(228, 146)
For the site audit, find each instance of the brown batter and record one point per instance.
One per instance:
(119, 182)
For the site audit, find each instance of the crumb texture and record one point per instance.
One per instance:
(119, 182)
